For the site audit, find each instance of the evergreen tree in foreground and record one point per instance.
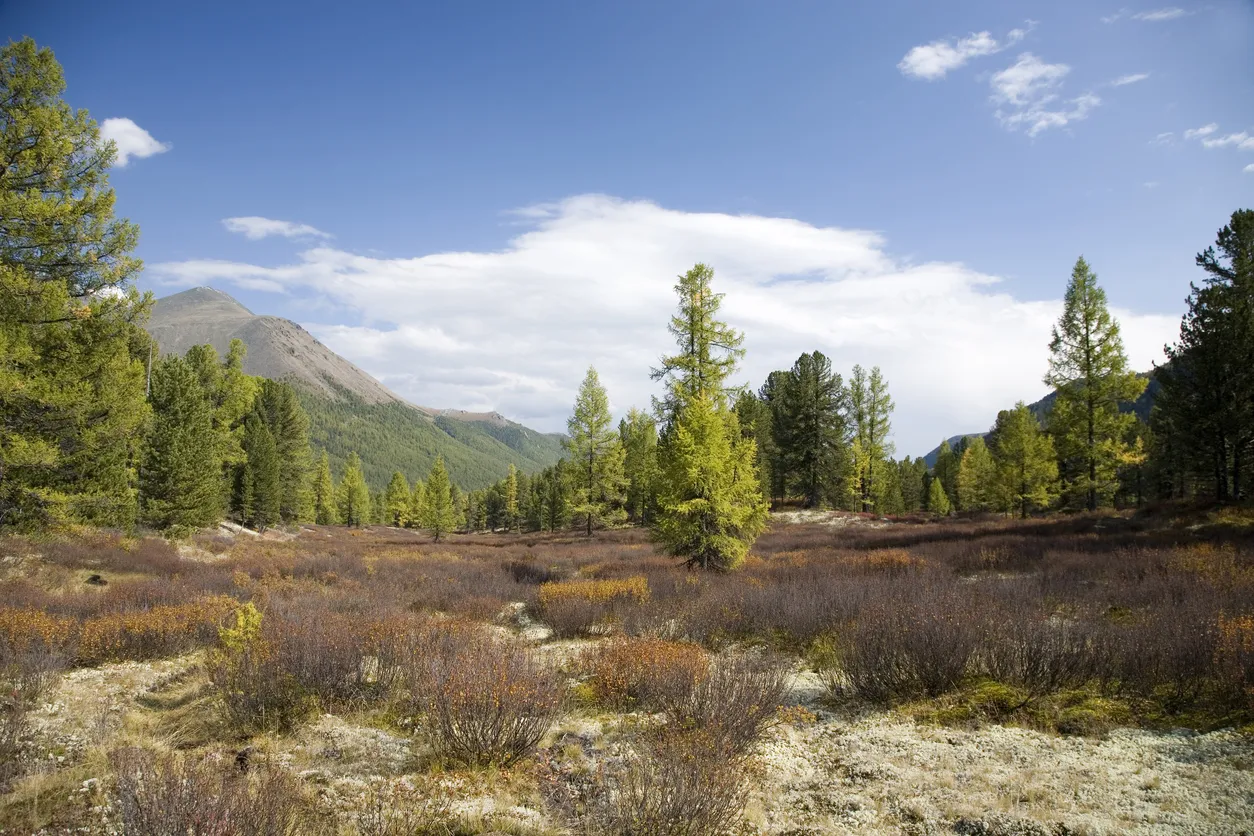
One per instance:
(396, 500)
(353, 496)
(711, 507)
(812, 429)
(1089, 371)
(181, 476)
(438, 514)
(870, 407)
(289, 425)
(325, 511)
(977, 478)
(638, 435)
(596, 459)
(1027, 468)
(937, 499)
(258, 489)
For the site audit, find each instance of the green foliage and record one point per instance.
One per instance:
(596, 459)
(325, 510)
(912, 478)
(638, 435)
(977, 478)
(757, 422)
(1027, 469)
(810, 430)
(181, 476)
(258, 487)
(280, 407)
(870, 408)
(72, 409)
(1089, 370)
(509, 495)
(1205, 411)
(352, 494)
(438, 514)
(711, 507)
(937, 499)
(945, 471)
(396, 500)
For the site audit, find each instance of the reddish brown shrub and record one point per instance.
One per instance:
(652, 673)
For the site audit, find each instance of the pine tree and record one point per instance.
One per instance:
(289, 425)
(937, 499)
(638, 435)
(180, 481)
(754, 416)
(510, 495)
(870, 407)
(1205, 409)
(772, 396)
(711, 507)
(258, 493)
(1089, 371)
(352, 495)
(812, 429)
(596, 458)
(911, 478)
(1027, 467)
(439, 516)
(325, 511)
(396, 500)
(977, 478)
(72, 407)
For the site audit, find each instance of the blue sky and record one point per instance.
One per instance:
(507, 190)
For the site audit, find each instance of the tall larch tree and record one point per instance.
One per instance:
(438, 514)
(977, 478)
(596, 459)
(258, 488)
(711, 507)
(1205, 409)
(181, 474)
(396, 500)
(1089, 371)
(638, 434)
(1027, 467)
(510, 495)
(324, 505)
(352, 494)
(72, 407)
(871, 409)
(937, 500)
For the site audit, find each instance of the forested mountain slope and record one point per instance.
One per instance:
(348, 409)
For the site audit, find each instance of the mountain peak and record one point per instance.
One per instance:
(203, 300)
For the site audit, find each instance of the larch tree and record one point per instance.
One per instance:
(871, 409)
(596, 459)
(258, 490)
(353, 495)
(325, 511)
(417, 504)
(396, 500)
(181, 474)
(977, 478)
(72, 406)
(638, 434)
(710, 505)
(937, 500)
(512, 519)
(438, 514)
(1089, 371)
(1027, 467)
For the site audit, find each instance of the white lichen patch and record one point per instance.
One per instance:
(884, 774)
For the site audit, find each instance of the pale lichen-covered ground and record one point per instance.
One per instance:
(841, 773)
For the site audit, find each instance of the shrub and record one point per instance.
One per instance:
(255, 691)
(577, 606)
(650, 673)
(156, 795)
(27, 670)
(734, 703)
(483, 701)
(148, 634)
(1038, 654)
(1234, 659)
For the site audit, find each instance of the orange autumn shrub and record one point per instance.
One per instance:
(648, 672)
(148, 634)
(1234, 657)
(579, 606)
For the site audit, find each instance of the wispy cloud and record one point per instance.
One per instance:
(1131, 78)
(131, 140)
(1205, 130)
(255, 228)
(493, 329)
(1165, 138)
(1154, 16)
(1249, 169)
(934, 60)
(1027, 96)
(1240, 140)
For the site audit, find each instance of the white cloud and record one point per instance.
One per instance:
(932, 61)
(1205, 130)
(254, 228)
(590, 281)
(1240, 140)
(1249, 169)
(1131, 78)
(1159, 15)
(1027, 96)
(1165, 138)
(131, 140)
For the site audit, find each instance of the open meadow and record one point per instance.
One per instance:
(1091, 674)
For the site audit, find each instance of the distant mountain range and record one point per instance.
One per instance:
(348, 409)
(1141, 406)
